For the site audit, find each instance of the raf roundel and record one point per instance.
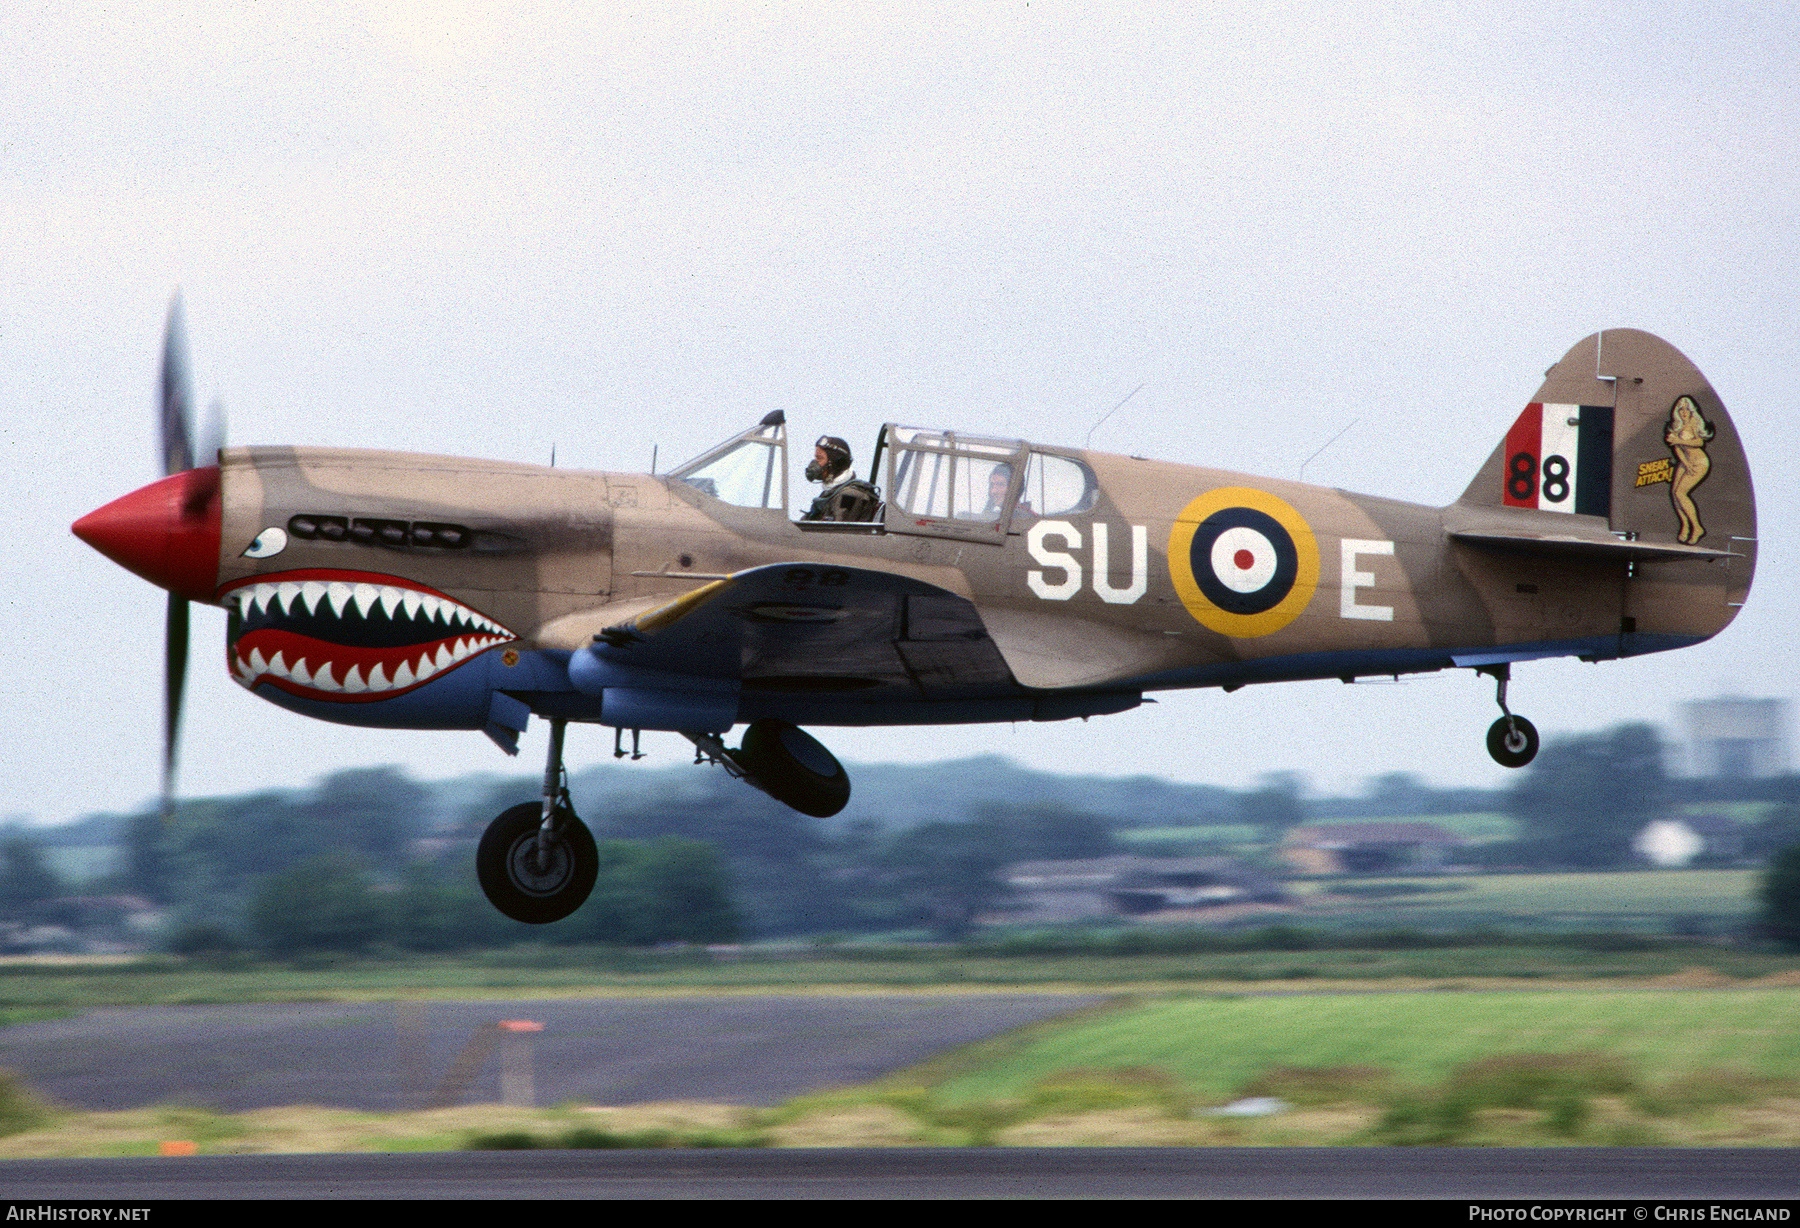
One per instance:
(1244, 562)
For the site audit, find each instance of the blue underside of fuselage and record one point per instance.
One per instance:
(1386, 662)
(464, 697)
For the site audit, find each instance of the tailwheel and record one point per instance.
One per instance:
(1512, 741)
(532, 879)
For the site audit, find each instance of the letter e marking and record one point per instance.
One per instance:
(1354, 579)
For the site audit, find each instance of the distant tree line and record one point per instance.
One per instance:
(648, 893)
(1584, 799)
(27, 883)
(352, 866)
(363, 861)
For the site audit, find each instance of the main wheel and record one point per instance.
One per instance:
(794, 768)
(513, 880)
(1513, 743)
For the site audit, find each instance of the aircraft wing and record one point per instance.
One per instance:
(814, 628)
(1054, 650)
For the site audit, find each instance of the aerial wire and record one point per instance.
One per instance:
(1109, 413)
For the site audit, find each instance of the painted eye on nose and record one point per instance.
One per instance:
(268, 543)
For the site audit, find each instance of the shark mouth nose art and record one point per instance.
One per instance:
(349, 636)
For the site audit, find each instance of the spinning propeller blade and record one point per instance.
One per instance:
(177, 396)
(175, 652)
(182, 450)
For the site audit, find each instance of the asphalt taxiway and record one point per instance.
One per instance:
(384, 1056)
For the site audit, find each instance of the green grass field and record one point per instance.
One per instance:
(1644, 901)
(1211, 834)
(1479, 826)
(34, 991)
(1215, 1045)
(1687, 1067)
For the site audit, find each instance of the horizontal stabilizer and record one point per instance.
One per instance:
(1591, 545)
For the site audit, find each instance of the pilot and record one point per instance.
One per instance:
(999, 482)
(845, 496)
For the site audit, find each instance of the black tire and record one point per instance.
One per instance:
(1512, 747)
(505, 865)
(794, 768)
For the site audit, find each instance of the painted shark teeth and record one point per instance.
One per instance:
(309, 656)
(290, 598)
(418, 665)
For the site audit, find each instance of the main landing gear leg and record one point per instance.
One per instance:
(537, 861)
(1511, 740)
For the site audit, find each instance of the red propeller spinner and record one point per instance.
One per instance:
(166, 532)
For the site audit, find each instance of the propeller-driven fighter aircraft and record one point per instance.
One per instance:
(994, 580)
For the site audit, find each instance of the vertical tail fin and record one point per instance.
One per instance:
(1626, 430)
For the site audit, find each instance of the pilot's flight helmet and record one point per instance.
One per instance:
(837, 459)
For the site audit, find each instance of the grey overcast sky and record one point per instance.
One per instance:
(493, 228)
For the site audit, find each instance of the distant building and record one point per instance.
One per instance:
(1368, 848)
(1677, 842)
(1128, 886)
(1735, 738)
(1668, 843)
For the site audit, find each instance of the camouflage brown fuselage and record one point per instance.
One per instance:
(1168, 576)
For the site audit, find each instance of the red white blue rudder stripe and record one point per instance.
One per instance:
(1559, 459)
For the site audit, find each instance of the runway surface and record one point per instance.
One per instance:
(1620, 1174)
(387, 1056)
